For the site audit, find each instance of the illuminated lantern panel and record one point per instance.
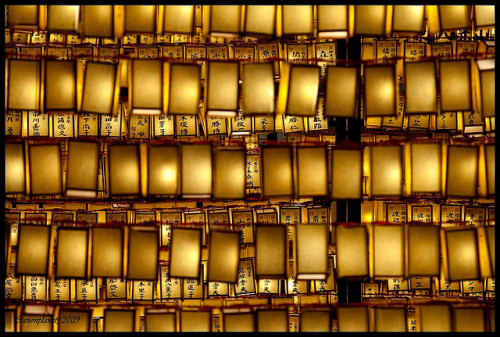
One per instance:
(408, 19)
(178, 19)
(297, 20)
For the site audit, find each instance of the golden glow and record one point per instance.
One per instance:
(14, 168)
(425, 168)
(380, 91)
(178, 19)
(258, 89)
(184, 89)
(462, 254)
(454, 17)
(386, 171)
(185, 253)
(297, 20)
(303, 91)
(260, 20)
(408, 19)
(462, 171)
(23, 85)
(455, 85)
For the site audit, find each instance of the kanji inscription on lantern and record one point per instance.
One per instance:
(396, 212)
(111, 125)
(13, 123)
(173, 51)
(243, 220)
(38, 124)
(246, 279)
(35, 288)
(421, 213)
(414, 51)
(59, 290)
(88, 124)
(171, 287)
(116, 289)
(139, 126)
(86, 290)
(63, 124)
(142, 290)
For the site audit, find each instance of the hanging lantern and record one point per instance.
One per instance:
(107, 252)
(71, 253)
(143, 254)
(260, 20)
(97, 21)
(23, 89)
(333, 21)
(178, 19)
(119, 320)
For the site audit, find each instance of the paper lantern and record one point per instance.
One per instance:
(163, 170)
(10, 321)
(23, 85)
(146, 96)
(484, 16)
(239, 322)
(425, 168)
(224, 256)
(487, 85)
(297, 20)
(74, 320)
(124, 169)
(185, 252)
(388, 250)
(277, 171)
(160, 321)
(196, 174)
(315, 321)
(272, 320)
(229, 174)
(60, 85)
(352, 319)
(33, 250)
(15, 173)
(270, 252)
(381, 91)
(390, 319)
(83, 165)
(36, 323)
(369, 20)
(45, 169)
(143, 254)
(184, 89)
(119, 320)
(258, 89)
(435, 318)
(302, 95)
(462, 251)
(420, 87)
(62, 18)
(107, 252)
(408, 19)
(312, 171)
(386, 170)
(196, 321)
(312, 251)
(333, 21)
(225, 20)
(178, 19)
(260, 20)
(23, 17)
(351, 251)
(423, 250)
(461, 173)
(140, 19)
(455, 85)
(347, 179)
(469, 319)
(342, 92)
(101, 88)
(454, 17)
(97, 21)
(71, 254)
(222, 96)
(490, 168)
(490, 237)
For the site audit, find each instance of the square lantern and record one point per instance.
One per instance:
(388, 251)
(184, 89)
(297, 20)
(423, 250)
(140, 19)
(342, 92)
(351, 251)
(369, 20)
(178, 19)
(484, 16)
(143, 254)
(469, 319)
(71, 320)
(381, 91)
(71, 253)
(426, 170)
(196, 170)
(390, 319)
(119, 320)
(435, 318)
(185, 252)
(224, 256)
(333, 21)
(33, 250)
(312, 251)
(487, 86)
(23, 16)
(146, 91)
(60, 85)
(97, 21)
(408, 19)
(312, 171)
(45, 169)
(386, 171)
(107, 252)
(353, 319)
(101, 88)
(23, 87)
(453, 17)
(272, 320)
(63, 19)
(301, 90)
(124, 171)
(260, 20)
(159, 321)
(420, 87)
(228, 180)
(462, 254)
(163, 170)
(239, 322)
(347, 179)
(455, 85)
(462, 171)
(270, 251)
(222, 92)
(277, 179)
(315, 321)
(83, 165)
(225, 20)
(490, 168)
(195, 321)
(258, 89)
(15, 169)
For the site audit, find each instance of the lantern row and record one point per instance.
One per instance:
(223, 173)
(157, 87)
(250, 21)
(434, 317)
(458, 253)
